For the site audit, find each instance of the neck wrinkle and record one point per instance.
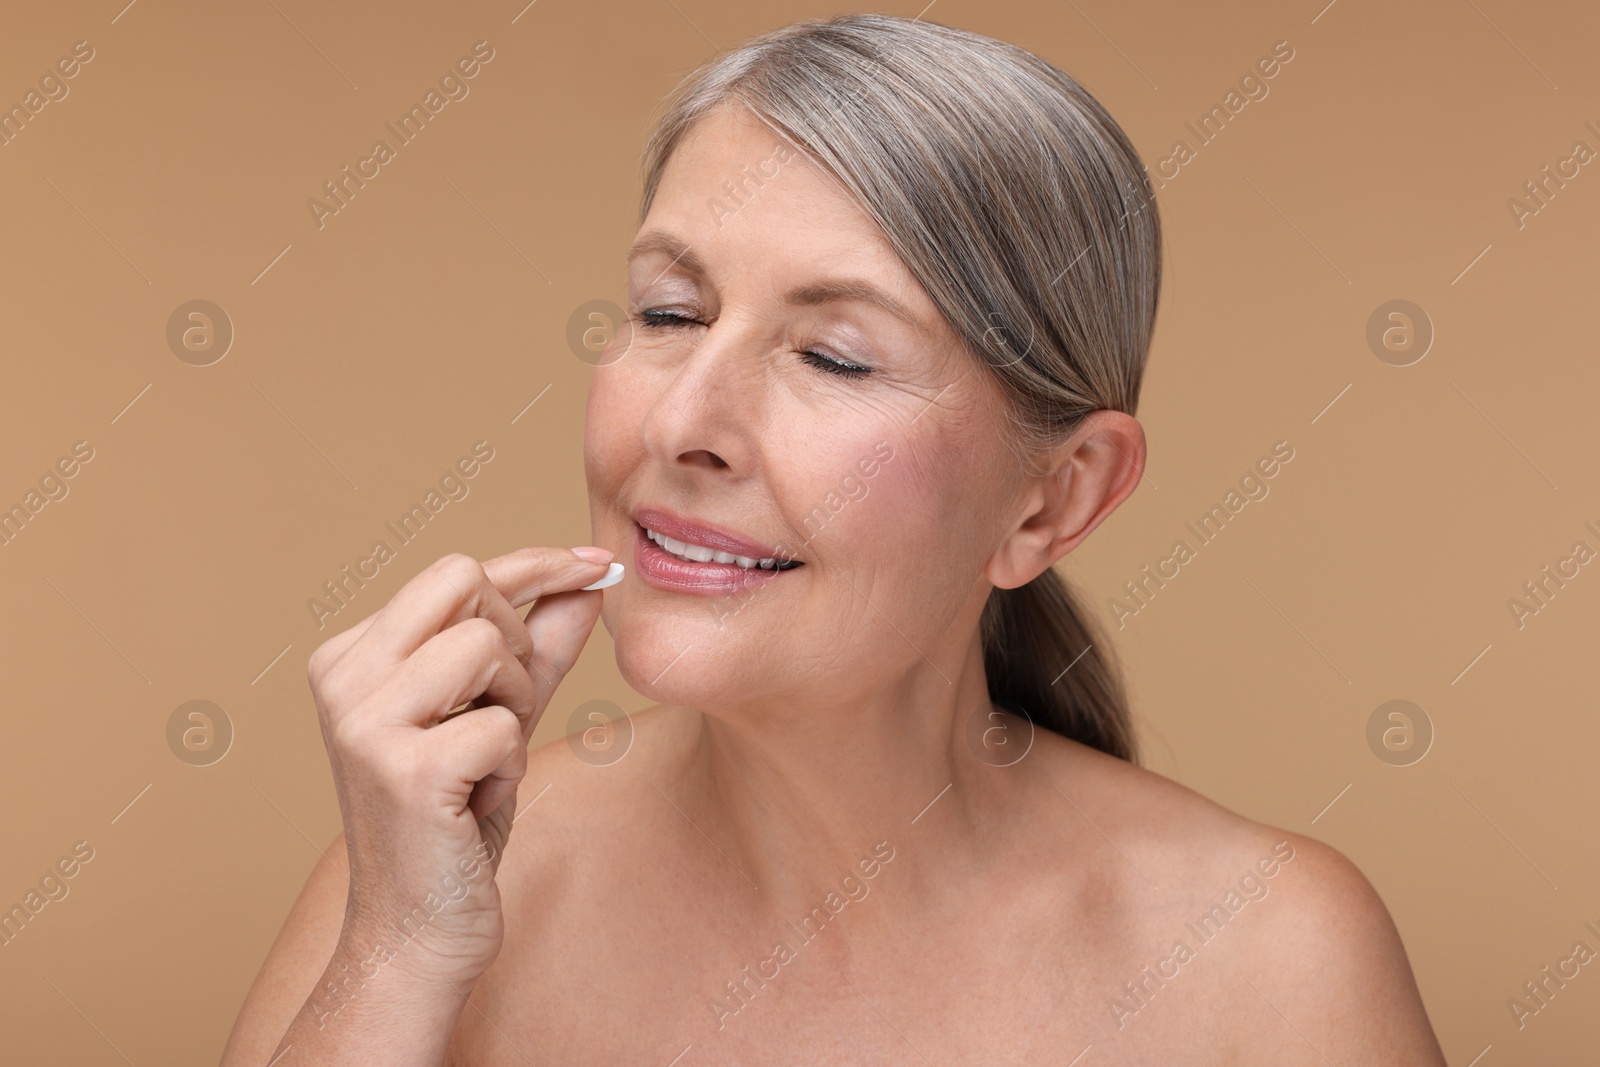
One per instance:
(793, 801)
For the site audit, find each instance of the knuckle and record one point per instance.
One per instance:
(503, 737)
(321, 660)
(482, 636)
(333, 690)
(521, 643)
(348, 737)
(507, 727)
(461, 571)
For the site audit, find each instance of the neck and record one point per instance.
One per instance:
(794, 792)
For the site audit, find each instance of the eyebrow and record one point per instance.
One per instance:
(811, 295)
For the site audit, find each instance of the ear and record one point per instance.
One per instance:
(1089, 475)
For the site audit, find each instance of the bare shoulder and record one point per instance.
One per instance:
(582, 809)
(1309, 939)
(578, 795)
(1329, 953)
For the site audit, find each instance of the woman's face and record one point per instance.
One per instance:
(766, 406)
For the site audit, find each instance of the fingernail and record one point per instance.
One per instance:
(592, 554)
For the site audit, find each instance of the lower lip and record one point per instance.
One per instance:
(662, 570)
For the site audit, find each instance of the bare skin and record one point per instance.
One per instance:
(809, 756)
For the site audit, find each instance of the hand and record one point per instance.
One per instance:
(428, 796)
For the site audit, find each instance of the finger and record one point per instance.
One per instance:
(527, 574)
(454, 586)
(449, 590)
(498, 790)
(515, 575)
(331, 651)
(361, 675)
(369, 670)
(495, 828)
(452, 589)
(559, 625)
(481, 755)
(469, 660)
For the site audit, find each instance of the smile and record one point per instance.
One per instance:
(694, 553)
(679, 554)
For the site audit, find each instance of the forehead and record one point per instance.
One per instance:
(747, 200)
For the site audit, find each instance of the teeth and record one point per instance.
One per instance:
(703, 554)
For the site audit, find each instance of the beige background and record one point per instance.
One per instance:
(370, 354)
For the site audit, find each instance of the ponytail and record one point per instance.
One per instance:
(1046, 662)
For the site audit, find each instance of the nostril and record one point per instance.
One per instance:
(703, 457)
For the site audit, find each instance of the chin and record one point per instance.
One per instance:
(691, 682)
(650, 647)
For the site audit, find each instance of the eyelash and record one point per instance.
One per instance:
(827, 364)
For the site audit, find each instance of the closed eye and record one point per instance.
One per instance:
(658, 320)
(835, 366)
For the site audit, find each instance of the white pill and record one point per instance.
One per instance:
(613, 575)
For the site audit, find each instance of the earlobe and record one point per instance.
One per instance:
(1006, 568)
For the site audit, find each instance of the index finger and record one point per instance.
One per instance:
(424, 607)
(527, 574)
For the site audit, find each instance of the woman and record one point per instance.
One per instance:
(889, 310)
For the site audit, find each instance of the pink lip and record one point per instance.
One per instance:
(679, 528)
(662, 570)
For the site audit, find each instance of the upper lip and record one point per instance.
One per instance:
(699, 532)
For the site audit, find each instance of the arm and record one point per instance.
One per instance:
(374, 969)
(293, 965)
(309, 1003)
(1330, 963)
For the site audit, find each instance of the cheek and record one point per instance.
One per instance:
(611, 427)
(898, 513)
(936, 497)
(905, 510)
(898, 566)
(930, 476)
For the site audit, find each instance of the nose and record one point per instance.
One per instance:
(710, 404)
